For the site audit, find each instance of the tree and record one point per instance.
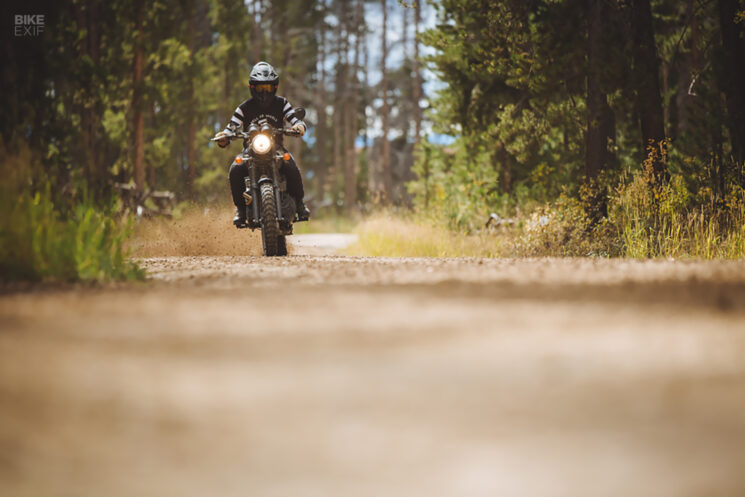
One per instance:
(600, 117)
(733, 84)
(417, 79)
(350, 170)
(138, 147)
(647, 84)
(385, 154)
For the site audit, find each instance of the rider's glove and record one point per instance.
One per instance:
(222, 139)
(299, 128)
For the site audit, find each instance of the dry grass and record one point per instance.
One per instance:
(199, 231)
(388, 235)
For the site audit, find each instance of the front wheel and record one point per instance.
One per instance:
(269, 225)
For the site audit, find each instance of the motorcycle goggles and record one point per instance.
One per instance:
(264, 88)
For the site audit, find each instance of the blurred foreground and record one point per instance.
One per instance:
(324, 375)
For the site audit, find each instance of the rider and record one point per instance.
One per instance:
(264, 103)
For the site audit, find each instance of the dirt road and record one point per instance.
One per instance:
(343, 376)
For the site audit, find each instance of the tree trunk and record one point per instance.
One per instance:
(600, 118)
(87, 19)
(733, 47)
(385, 154)
(371, 165)
(94, 43)
(647, 84)
(191, 124)
(505, 168)
(257, 35)
(321, 130)
(417, 90)
(138, 147)
(689, 66)
(350, 175)
(339, 97)
(150, 166)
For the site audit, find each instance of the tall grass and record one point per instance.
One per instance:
(665, 219)
(63, 240)
(645, 219)
(641, 218)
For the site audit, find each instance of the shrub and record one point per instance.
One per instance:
(67, 240)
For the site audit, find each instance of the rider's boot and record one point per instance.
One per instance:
(303, 213)
(240, 217)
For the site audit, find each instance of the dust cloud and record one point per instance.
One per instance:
(199, 231)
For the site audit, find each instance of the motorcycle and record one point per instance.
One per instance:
(268, 205)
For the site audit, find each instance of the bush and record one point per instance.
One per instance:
(70, 240)
(629, 215)
(645, 219)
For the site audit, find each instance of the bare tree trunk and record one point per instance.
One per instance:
(600, 118)
(417, 90)
(138, 148)
(385, 157)
(405, 48)
(647, 83)
(257, 36)
(87, 19)
(190, 118)
(229, 61)
(688, 67)
(733, 48)
(371, 165)
(339, 89)
(350, 176)
(321, 131)
(504, 162)
(150, 166)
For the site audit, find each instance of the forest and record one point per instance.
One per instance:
(583, 127)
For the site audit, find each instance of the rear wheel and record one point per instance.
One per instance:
(269, 225)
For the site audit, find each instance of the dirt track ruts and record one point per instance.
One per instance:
(326, 375)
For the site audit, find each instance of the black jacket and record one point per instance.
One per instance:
(278, 110)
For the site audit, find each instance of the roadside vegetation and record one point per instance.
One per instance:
(637, 218)
(621, 133)
(52, 235)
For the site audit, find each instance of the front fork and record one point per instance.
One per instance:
(252, 191)
(277, 193)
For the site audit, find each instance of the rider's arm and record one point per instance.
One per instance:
(236, 122)
(289, 113)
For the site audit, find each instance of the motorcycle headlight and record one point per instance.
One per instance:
(261, 144)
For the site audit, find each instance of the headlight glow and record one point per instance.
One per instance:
(261, 144)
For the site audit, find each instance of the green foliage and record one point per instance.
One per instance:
(43, 238)
(515, 98)
(663, 220)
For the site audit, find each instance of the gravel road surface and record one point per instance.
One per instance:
(323, 375)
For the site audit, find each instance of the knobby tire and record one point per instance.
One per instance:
(269, 225)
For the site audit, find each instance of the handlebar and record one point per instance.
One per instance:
(245, 136)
